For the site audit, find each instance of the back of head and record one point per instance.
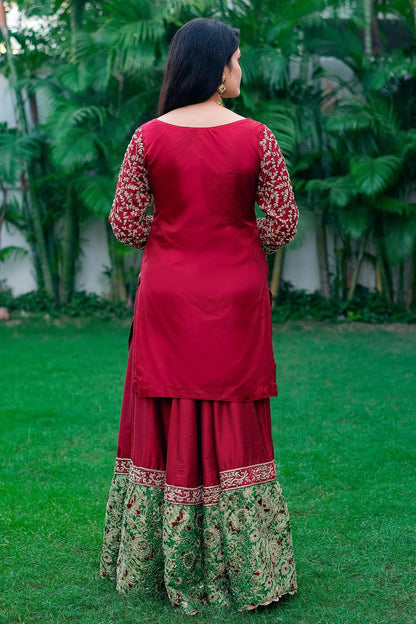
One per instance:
(197, 56)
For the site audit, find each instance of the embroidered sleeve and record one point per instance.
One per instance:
(128, 216)
(275, 197)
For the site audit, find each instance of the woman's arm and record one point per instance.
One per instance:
(275, 197)
(128, 216)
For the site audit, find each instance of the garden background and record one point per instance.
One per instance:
(336, 82)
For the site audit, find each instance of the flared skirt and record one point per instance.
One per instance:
(195, 507)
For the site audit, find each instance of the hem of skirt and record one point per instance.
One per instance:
(268, 602)
(250, 607)
(148, 392)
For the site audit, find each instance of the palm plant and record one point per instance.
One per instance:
(104, 66)
(22, 148)
(9, 172)
(282, 87)
(368, 189)
(345, 141)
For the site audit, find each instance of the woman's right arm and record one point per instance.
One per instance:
(128, 218)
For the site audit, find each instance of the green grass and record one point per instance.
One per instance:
(344, 432)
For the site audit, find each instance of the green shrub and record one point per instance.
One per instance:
(82, 304)
(366, 307)
(6, 296)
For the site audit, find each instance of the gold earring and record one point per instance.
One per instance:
(222, 89)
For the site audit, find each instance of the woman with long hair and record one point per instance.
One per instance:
(195, 506)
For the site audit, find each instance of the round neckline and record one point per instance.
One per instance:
(230, 123)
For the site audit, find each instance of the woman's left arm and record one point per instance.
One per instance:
(133, 196)
(275, 197)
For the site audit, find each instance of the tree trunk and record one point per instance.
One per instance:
(368, 18)
(3, 207)
(21, 120)
(400, 283)
(69, 245)
(411, 287)
(277, 273)
(346, 253)
(37, 222)
(76, 16)
(322, 251)
(356, 272)
(34, 110)
(384, 283)
(118, 291)
(377, 42)
(383, 267)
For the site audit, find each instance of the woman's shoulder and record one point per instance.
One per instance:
(237, 123)
(238, 127)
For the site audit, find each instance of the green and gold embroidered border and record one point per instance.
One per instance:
(237, 552)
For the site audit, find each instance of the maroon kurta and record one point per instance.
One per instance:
(202, 325)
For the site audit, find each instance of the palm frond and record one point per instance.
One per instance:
(398, 65)
(281, 120)
(12, 253)
(376, 115)
(249, 65)
(77, 150)
(408, 143)
(133, 113)
(97, 195)
(264, 63)
(132, 60)
(75, 78)
(399, 238)
(128, 11)
(341, 191)
(88, 114)
(14, 214)
(15, 150)
(393, 205)
(374, 175)
(355, 221)
(100, 66)
(69, 114)
(354, 121)
(318, 186)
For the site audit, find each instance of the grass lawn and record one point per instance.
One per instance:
(345, 442)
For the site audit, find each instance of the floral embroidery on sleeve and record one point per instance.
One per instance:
(275, 197)
(128, 216)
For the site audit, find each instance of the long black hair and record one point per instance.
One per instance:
(197, 56)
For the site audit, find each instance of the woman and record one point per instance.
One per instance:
(195, 504)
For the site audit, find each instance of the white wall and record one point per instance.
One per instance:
(300, 266)
(94, 260)
(7, 111)
(18, 273)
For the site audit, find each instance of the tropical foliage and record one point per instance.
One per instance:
(335, 80)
